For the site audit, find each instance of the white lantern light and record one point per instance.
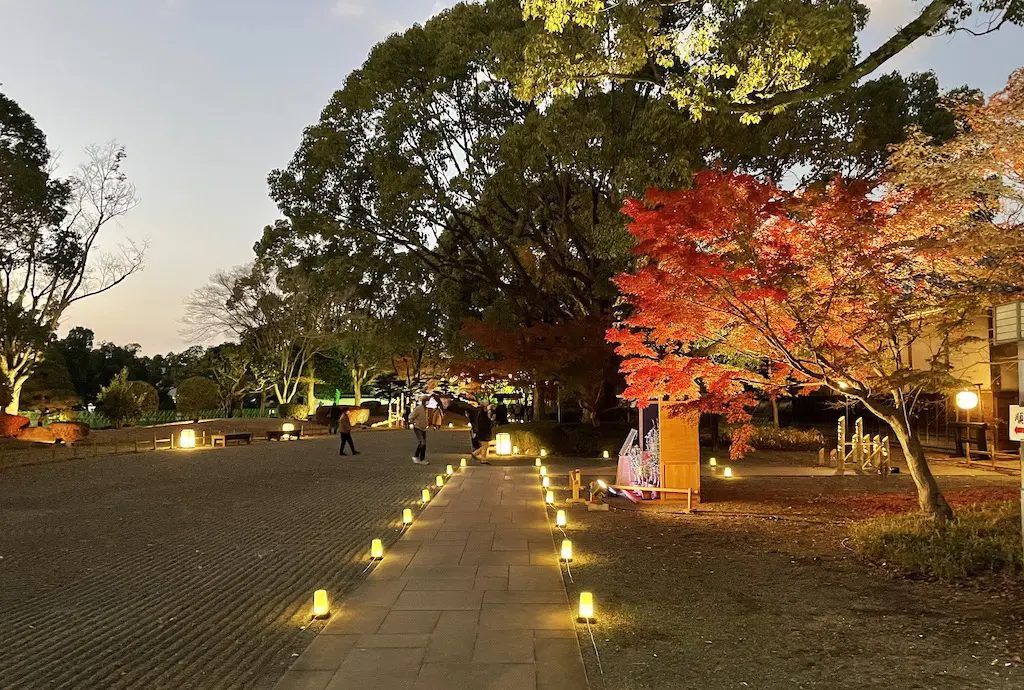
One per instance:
(606, 455)
(550, 498)
(376, 549)
(713, 462)
(566, 550)
(515, 450)
(449, 470)
(503, 444)
(407, 516)
(727, 472)
(543, 452)
(560, 520)
(439, 480)
(462, 462)
(187, 439)
(536, 463)
(545, 482)
(321, 606)
(586, 605)
(967, 400)
(426, 495)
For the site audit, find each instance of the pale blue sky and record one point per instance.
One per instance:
(209, 95)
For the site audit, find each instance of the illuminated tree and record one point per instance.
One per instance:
(748, 57)
(830, 286)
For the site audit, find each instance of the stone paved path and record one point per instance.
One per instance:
(470, 597)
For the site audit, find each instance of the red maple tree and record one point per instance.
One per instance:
(824, 287)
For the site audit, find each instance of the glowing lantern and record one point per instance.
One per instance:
(550, 498)
(606, 455)
(439, 480)
(462, 462)
(287, 429)
(187, 439)
(543, 471)
(727, 472)
(407, 516)
(713, 463)
(560, 519)
(449, 470)
(536, 463)
(586, 605)
(543, 452)
(426, 495)
(566, 550)
(545, 482)
(966, 400)
(450, 425)
(321, 607)
(503, 444)
(515, 450)
(376, 549)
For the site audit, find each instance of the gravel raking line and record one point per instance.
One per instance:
(190, 570)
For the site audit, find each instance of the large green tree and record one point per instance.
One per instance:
(512, 209)
(750, 57)
(49, 230)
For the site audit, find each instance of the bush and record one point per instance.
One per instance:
(52, 400)
(983, 539)
(784, 438)
(572, 440)
(296, 411)
(149, 398)
(70, 432)
(37, 434)
(11, 424)
(125, 400)
(195, 395)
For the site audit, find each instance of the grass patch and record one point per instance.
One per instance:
(983, 539)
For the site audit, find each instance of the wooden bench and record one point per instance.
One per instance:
(280, 435)
(224, 439)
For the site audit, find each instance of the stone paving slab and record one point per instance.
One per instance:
(470, 597)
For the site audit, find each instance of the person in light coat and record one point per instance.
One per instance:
(419, 421)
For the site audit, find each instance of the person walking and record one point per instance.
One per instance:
(344, 426)
(335, 415)
(480, 422)
(419, 421)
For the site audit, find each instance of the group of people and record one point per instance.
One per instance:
(481, 422)
(517, 411)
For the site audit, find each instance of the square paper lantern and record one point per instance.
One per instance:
(439, 480)
(187, 439)
(376, 549)
(449, 470)
(566, 550)
(503, 444)
(545, 482)
(560, 520)
(549, 498)
(426, 495)
(321, 607)
(407, 516)
(462, 462)
(586, 605)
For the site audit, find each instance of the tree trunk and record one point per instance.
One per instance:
(775, 412)
(538, 403)
(929, 496)
(263, 402)
(311, 389)
(357, 387)
(16, 383)
(715, 433)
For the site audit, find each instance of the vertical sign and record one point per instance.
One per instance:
(1016, 426)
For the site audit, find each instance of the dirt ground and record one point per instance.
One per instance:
(756, 589)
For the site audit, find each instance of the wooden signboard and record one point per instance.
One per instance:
(680, 454)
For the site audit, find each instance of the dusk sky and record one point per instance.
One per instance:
(209, 95)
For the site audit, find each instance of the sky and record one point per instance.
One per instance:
(208, 96)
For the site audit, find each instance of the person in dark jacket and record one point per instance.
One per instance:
(333, 418)
(480, 424)
(344, 425)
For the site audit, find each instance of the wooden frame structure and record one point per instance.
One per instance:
(679, 458)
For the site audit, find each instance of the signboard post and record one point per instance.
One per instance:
(1016, 429)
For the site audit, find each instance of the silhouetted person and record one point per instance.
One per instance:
(344, 425)
(335, 415)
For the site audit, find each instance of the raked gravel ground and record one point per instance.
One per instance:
(191, 569)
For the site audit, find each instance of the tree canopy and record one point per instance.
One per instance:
(749, 58)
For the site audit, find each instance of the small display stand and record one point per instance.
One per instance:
(660, 460)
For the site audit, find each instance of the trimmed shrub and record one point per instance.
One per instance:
(784, 438)
(149, 398)
(195, 395)
(572, 440)
(37, 434)
(11, 424)
(70, 432)
(296, 411)
(358, 415)
(983, 539)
